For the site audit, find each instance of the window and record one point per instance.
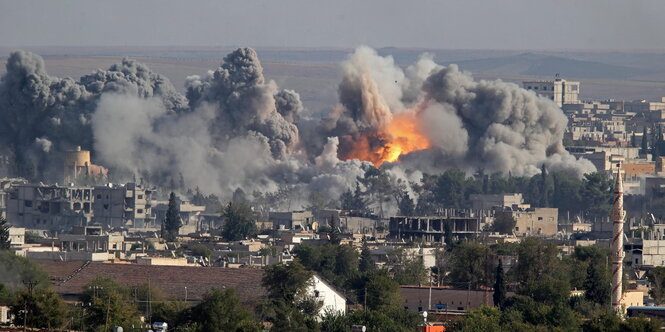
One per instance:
(535, 88)
(139, 211)
(99, 196)
(140, 197)
(540, 218)
(28, 203)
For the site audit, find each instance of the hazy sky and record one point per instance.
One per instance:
(474, 24)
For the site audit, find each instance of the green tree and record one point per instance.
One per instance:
(597, 286)
(499, 295)
(290, 308)
(450, 189)
(17, 271)
(172, 222)
(221, 311)
(597, 194)
(406, 206)
(44, 308)
(238, 222)
(540, 273)
(645, 144)
(366, 263)
(111, 304)
(504, 223)
(408, 269)
(381, 291)
(471, 264)
(484, 319)
(5, 241)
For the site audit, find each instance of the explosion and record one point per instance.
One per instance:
(400, 136)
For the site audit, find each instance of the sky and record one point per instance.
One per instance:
(458, 24)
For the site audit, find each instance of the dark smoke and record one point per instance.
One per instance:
(234, 129)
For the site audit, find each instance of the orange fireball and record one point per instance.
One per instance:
(398, 137)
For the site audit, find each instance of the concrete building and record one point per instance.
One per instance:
(78, 166)
(560, 91)
(16, 236)
(92, 239)
(433, 229)
(488, 202)
(49, 207)
(424, 298)
(296, 220)
(129, 205)
(190, 214)
(532, 221)
(6, 185)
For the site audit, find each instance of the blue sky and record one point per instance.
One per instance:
(461, 24)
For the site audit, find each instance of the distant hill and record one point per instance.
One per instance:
(534, 64)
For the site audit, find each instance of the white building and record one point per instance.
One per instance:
(560, 91)
(331, 299)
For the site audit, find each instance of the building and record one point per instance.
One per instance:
(330, 298)
(6, 185)
(560, 91)
(532, 221)
(77, 167)
(433, 229)
(51, 207)
(16, 236)
(190, 214)
(488, 202)
(425, 298)
(296, 220)
(130, 205)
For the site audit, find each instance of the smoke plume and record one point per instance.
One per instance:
(235, 129)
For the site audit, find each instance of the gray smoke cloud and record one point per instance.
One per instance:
(492, 125)
(235, 129)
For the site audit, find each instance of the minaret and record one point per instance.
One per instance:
(617, 216)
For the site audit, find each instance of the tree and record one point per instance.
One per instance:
(471, 264)
(172, 222)
(111, 304)
(366, 262)
(381, 291)
(221, 311)
(504, 223)
(483, 319)
(44, 308)
(450, 189)
(406, 206)
(499, 295)
(645, 144)
(408, 269)
(5, 241)
(289, 306)
(597, 286)
(597, 194)
(238, 222)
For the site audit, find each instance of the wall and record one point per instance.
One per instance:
(332, 300)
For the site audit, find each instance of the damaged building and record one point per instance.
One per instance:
(51, 207)
(459, 223)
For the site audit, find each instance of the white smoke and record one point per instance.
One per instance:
(235, 129)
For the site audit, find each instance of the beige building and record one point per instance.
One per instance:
(78, 166)
(296, 220)
(487, 202)
(533, 221)
(560, 91)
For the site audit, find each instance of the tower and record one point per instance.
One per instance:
(617, 216)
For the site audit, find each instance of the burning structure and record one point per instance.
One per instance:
(236, 130)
